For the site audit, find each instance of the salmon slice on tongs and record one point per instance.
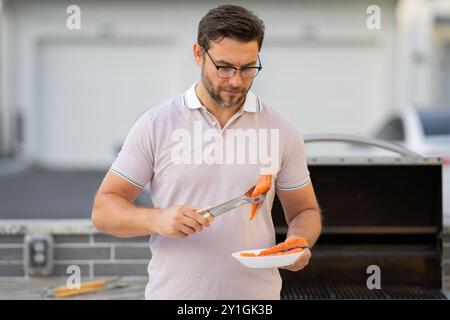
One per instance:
(212, 212)
(255, 196)
(262, 187)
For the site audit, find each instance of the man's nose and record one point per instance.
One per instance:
(236, 79)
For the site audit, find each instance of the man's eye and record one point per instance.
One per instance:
(249, 71)
(227, 69)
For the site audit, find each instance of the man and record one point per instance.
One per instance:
(187, 170)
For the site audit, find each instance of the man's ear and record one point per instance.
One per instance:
(198, 54)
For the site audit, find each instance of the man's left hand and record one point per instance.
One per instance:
(301, 262)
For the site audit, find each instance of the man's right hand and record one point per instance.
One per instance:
(180, 221)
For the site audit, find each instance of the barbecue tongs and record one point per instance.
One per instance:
(210, 213)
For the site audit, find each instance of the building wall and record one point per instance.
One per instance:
(78, 92)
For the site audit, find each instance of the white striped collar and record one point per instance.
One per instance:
(191, 101)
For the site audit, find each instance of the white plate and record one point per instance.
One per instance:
(265, 262)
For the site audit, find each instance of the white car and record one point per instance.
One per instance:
(425, 132)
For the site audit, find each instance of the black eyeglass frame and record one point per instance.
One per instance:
(218, 67)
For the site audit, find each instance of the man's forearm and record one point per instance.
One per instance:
(306, 224)
(117, 216)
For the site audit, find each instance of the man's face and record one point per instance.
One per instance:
(229, 92)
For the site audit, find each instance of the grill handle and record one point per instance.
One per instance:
(349, 138)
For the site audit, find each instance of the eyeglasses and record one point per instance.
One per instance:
(229, 72)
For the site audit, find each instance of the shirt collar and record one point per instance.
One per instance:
(191, 101)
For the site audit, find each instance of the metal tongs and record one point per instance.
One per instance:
(210, 213)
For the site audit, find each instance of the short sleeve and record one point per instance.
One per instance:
(135, 160)
(294, 171)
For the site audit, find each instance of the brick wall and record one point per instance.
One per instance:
(97, 255)
(100, 255)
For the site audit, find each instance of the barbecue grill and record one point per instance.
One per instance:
(382, 211)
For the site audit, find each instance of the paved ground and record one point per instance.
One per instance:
(30, 193)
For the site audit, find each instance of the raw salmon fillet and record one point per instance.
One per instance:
(291, 245)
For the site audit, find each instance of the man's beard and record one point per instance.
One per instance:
(232, 101)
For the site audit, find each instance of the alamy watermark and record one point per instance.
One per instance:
(237, 146)
(74, 280)
(373, 21)
(374, 280)
(73, 21)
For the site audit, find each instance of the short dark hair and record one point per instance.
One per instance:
(230, 21)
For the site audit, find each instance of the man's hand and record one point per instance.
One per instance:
(301, 262)
(180, 221)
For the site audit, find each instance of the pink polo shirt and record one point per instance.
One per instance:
(180, 150)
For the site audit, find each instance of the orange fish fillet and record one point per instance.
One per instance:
(248, 254)
(262, 186)
(289, 244)
(292, 245)
(286, 252)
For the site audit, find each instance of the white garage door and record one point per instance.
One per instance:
(91, 93)
(336, 89)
